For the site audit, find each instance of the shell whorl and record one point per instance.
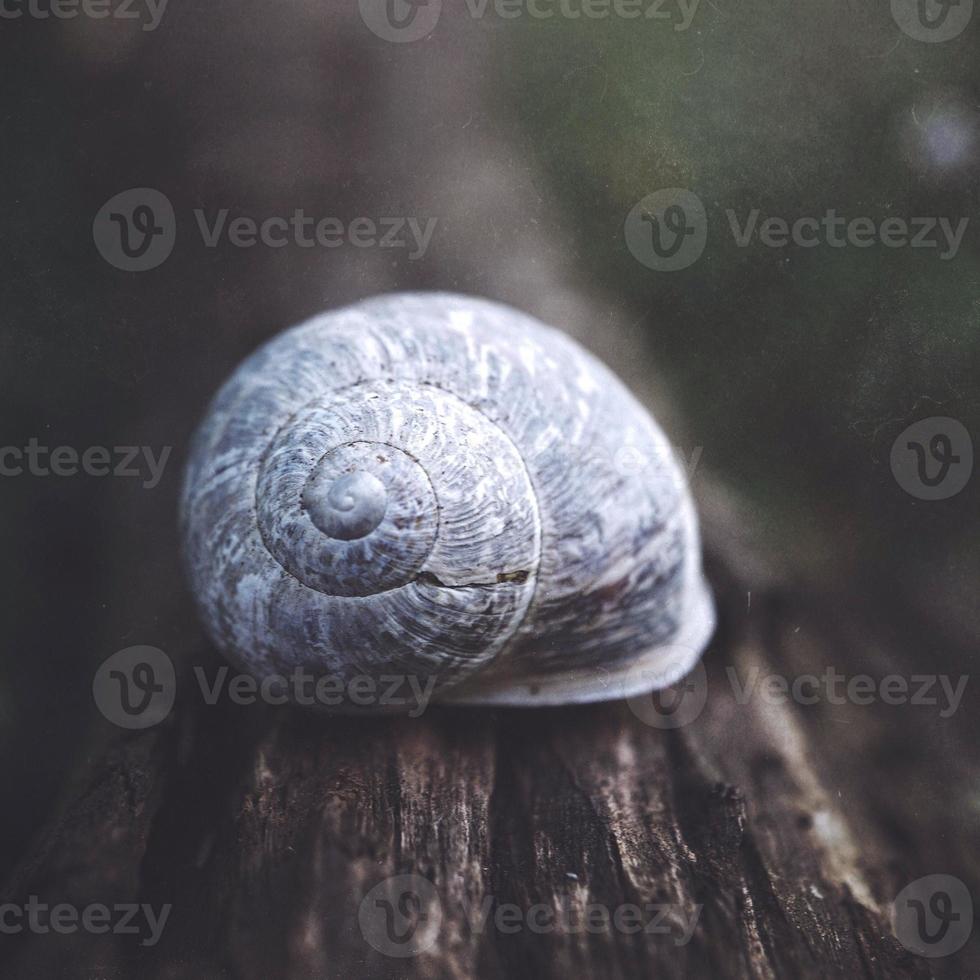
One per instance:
(348, 505)
(366, 489)
(429, 484)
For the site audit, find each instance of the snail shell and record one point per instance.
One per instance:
(440, 486)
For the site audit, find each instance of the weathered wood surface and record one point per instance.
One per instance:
(782, 832)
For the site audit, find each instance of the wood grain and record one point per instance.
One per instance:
(760, 840)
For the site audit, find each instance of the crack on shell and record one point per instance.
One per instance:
(518, 577)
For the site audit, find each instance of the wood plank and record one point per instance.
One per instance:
(758, 841)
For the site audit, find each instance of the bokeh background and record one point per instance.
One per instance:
(790, 370)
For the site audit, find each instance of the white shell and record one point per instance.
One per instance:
(439, 486)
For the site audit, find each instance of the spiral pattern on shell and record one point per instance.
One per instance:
(431, 484)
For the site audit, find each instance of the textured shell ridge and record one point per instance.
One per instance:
(437, 483)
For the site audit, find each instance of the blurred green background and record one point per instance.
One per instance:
(798, 366)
